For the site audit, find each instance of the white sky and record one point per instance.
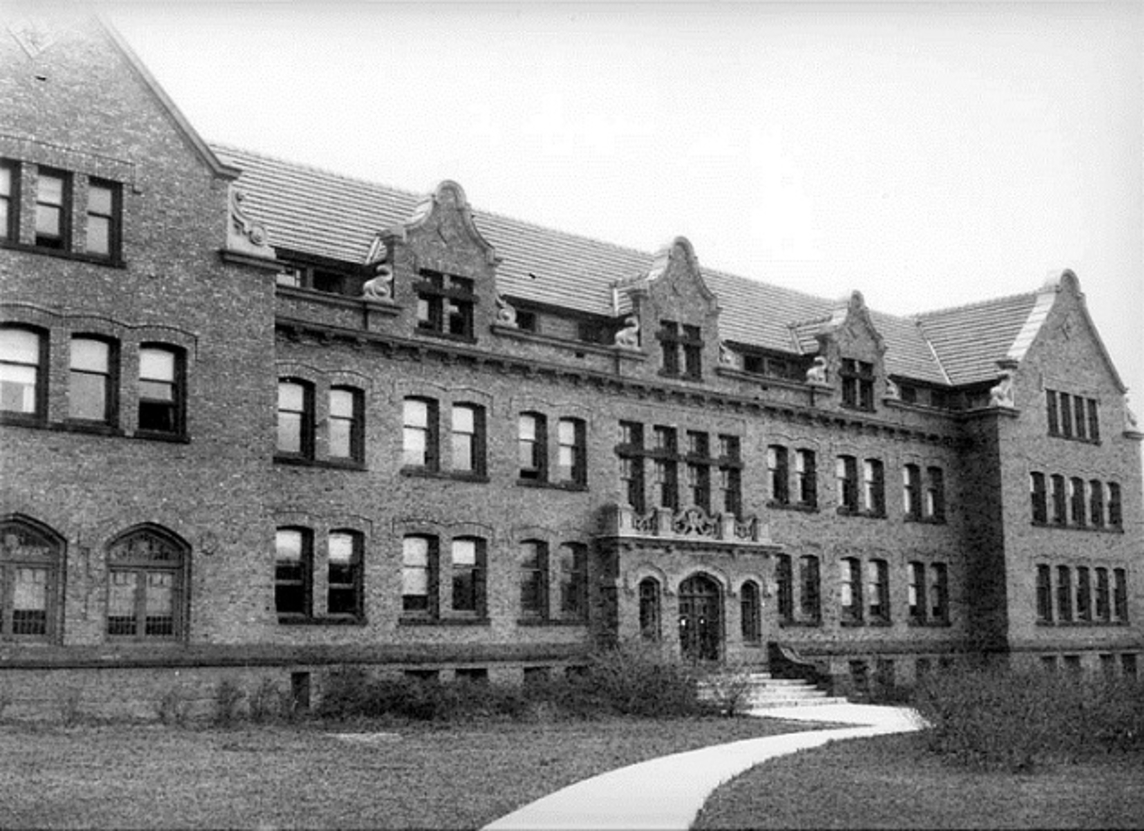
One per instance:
(928, 155)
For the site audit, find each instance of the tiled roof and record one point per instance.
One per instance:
(314, 211)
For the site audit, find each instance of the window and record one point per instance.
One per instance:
(293, 567)
(1051, 413)
(1093, 421)
(419, 437)
(91, 385)
(1103, 606)
(418, 559)
(160, 390)
(1064, 593)
(329, 277)
(295, 419)
(532, 447)
(53, 209)
(9, 201)
(445, 304)
(935, 494)
(846, 474)
(571, 452)
(344, 574)
(1045, 594)
(573, 581)
(784, 580)
(779, 474)
(806, 478)
(345, 425)
(878, 590)
(23, 354)
(1077, 507)
(873, 488)
(30, 559)
(698, 470)
(1060, 504)
(467, 562)
(730, 487)
(103, 219)
(649, 609)
(145, 586)
(810, 595)
(1038, 498)
(665, 467)
(1083, 594)
(851, 585)
(1079, 417)
(857, 384)
(468, 439)
(750, 613)
(939, 593)
(911, 492)
(1066, 415)
(917, 592)
(1096, 503)
(631, 451)
(1120, 595)
(1115, 519)
(534, 579)
(682, 348)
(1072, 416)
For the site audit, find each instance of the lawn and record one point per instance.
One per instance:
(309, 776)
(893, 782)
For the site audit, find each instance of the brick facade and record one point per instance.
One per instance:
(159, 553)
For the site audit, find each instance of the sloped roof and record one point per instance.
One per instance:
(318, 212)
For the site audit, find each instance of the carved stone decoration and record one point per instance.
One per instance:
(893, 393)
(629, 336)
(144, 546)
(1131, 425)
(243, 234)
(693, 522)
(726, 356)
(817, 374)
(506, 314)
(19, 543)
(1001, 395)
(380, 285)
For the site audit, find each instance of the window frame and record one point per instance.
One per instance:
(355, 431)
(878, 591)
(114, 218)
(535, 468)
(109, 378)
(306, 420)
(445, 302)
(778, 475)
(846, 478)
(533, 570)
(60, 241)
(577, 475)
(857, 378)
(430, 459)
(162, 555)
(41, 370)
(178, 382)
(649, 595)
(467, 594)
(10, 200)
(474, 443)
(851, 589)
(750, 613)
(572, 581)
(25, 545)
(354, 587)
(303, 582)
(431, 609)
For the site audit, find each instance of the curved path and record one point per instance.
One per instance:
(667, 793)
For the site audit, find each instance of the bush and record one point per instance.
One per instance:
(227, 703)
(69, 706)
(173, 707)
(269, 702)
(639, 679)
(1002, 719)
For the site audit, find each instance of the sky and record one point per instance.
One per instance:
(927, 154)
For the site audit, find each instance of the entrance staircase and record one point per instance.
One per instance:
(761, 690)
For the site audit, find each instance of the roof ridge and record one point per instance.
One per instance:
(986, 302)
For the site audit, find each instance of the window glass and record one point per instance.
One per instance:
(88, 390)
(464, 439)
(50, 215)
(121, 602)
(343, 413)
(158, 399)
(19, 370)
(291, 417)
(7, 213)
(532, 582)
(290, 571)
(100, 202)
(415, 574)
(416, 434)
(465, 575)
(343, 580)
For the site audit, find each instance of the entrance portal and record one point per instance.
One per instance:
(700, 630)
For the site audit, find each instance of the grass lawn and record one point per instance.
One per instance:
(892, 782)
(151, 776)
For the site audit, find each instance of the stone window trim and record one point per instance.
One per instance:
(1072, 416)
(542, 431)
(682, 348)
(147, 552)
(1075, 503)
(319, 420)
(551, 605)
(438, 611)
(928, 591)
(857, 380)
(649, 593)
(445, 305)
(1075, 594)
(316, 531)
(32, 553)
(437, 460)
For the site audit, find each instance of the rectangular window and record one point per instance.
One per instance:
(692, 353)
(9, 201)
(419, 434)
(532, 447)
(935, 494)
(22, 354)
(468, 574)
(911, 491)
(103, 213)
(25, 590)
(1103, 596)
(1060, 500)
(939, 593)
(784, 580)
(878, 590)
(571, 452)
(1038, 498)
(750, 619)
(293, 567)
(573, 581)
(857, 384)
(873, 488)
(121, 602)
(682, 350)
(53, 209)
(1096, 503)
(1115, 519)
(1064, 594)
(160, 390)
(1120, 595)
(1077, 506)
(779, 474)
(1051, 412)
(91, 383)
(534, 579)
(631, 473)
(468, 439)
(346, 437)
(806, 477)
(917, 592)
(295, 419)
(810, 592)
(851, 589)
(669, 347)
(666, 467)
(1083, 594)
(1044, 594)
(1093, 420)
(730, 483)
(418, 562)
(344, 575)
(699, 485)
(1066, 415)
(1079, 417)
(445, 304)
(846, 474)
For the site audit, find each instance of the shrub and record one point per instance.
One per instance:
(727, 690)
(227, 703)
(639, 679)
(269, 702)
(69, 706)
(173, 707)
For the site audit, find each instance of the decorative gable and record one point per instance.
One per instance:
(851, 352)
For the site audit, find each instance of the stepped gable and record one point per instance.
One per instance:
(314, 211)
(969, 340)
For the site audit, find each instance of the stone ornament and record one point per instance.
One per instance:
(380, 286)
(506, 314)
(726, 356)
(817, 374)
(1001, 395)
(243, 233)
(1130, 422)
(892, 391)
(629, 336)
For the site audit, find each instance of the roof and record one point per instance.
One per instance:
(314, 211)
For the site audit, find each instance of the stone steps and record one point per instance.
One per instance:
(764, 691)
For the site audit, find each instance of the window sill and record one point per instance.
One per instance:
(20, 420)
(1077, 439)
(863, 514)
(424, 473)
(793, 506)
(330, 620)
(555, 622)
(153, 435)
(1099, 529)
(110, 262)
(930, 624)
(800, 624)
(555, 486)
(851, 623)
(1082, 624)
(443, 621)
(924, 520)
(91, 427)
(326, 464)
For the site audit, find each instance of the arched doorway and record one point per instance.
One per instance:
(700, 621)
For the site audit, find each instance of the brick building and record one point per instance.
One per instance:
(261, 420)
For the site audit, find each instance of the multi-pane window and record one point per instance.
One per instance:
(344, 574)
(730, 488)
(102, 219)
(698, 461)
(53, 209)
(346, 435)
(1083, 594)
(29, 569)
(1096, 503)
(9, 200)
(1115, 518)
(145, 586)
(1072, 416)
(419, 433)
(917, 592)
(784, 582)
(1103, 597)
(467, 567)
(698, 470)
(571, 452)
(911, 491)
(665, 467)
(295, 418)
(850, 597)
(873, 488)
(445, 304)
(857, 384)
(1078, 510)
(878, 590)
(1038, 498)
(806, 478)
(160, 390)
(810, 592)
(1060, 500)
(846, 476)
(631, 452)
(91, 383)
(418, 559)
(750, 613)
(1120, 595)
(649, 601)
(532, 446)
(534, 579)
(939, 593)
(467, 436)
(293, 569)
(1045, 593)
(682, 347)
(778, 473)
(22, 361)
(1090, 595)
(573, 581)
(799, 600)
(935, 494)
(1064, 593)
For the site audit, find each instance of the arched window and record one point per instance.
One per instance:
(30, 557)
(146, 585)
(649, 609)
(750, 612)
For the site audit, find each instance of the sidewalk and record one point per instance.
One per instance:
(667, 793)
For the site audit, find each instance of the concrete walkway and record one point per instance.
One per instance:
(667, 793)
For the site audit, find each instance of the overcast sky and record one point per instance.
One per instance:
(928, 155)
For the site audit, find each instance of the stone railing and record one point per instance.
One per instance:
(688, 524)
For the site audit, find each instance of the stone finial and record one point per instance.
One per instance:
(243, 234)
(380, 286)
(817, 373)
(506, 314)
(893, 392)
(629, 336)
(1001, 395)
(726, 356)
(1130, 423)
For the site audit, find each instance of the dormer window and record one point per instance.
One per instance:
(326, 278)
(445, 304)
(682, 350)
(857, 384)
